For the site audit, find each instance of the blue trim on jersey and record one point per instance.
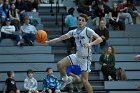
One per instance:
(70, 60)
(88, 41)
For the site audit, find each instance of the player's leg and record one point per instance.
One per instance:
(86, 83)
(85, 68)
(61, 65)
(62, 68)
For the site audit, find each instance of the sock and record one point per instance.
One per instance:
(65, 78)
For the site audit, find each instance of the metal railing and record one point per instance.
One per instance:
(57, 11)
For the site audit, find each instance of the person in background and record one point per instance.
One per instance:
(30, 83)
(28, 32)
(50, 82)
(114, 19)
(103, 32)
(13, 14)
(137, 57)
(11, 83)
(5, 8)
(123, 12)
(71, 22)
(107, 61)
(8, 31)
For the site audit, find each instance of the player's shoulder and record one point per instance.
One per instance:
(89, 29)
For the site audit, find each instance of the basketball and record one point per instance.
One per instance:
(41, 36)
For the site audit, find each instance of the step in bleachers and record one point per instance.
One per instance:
(124, 65)
(121, 85)
(124, 92)
(131, 75)
(36, 66)
(27, 58)
(20, 76)
(118, 57)
(25, 50)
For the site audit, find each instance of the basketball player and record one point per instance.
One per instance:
(83, 37)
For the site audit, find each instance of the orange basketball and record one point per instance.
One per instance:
(41, 36)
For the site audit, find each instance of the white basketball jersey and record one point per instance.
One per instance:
(82, 37)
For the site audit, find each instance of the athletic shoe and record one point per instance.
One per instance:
(66, 82)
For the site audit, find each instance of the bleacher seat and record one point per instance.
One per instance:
(124, 92)
(25, 50)
(131, 75)
(124, 65)
(118, 57)
(32, 14)
(121, 85)
(27, 58)
(23, 66)
(20, 76)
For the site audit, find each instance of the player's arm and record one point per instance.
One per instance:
(63, 37)
(97, 40)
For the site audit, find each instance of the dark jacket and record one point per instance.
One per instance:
(110, 61)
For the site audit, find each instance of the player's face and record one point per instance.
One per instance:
(81, 22)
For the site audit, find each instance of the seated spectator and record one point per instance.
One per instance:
(133, 11)
(8, 31)
(75, 72)
(100, 13)
(28, 32)
(103, 32)
(107, 60)
(20, 6)
(5, 8)
(50, 82)
(13, 14)
(71, 22)
(114, 19)
(2, 13)
(124, 13)
(30, 83)
(83, 7)
(31, 5)
(11, 84)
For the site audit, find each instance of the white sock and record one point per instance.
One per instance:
(65, 78)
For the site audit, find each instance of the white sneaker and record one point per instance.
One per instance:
(66, 82)
(110, 78)
(18, 43)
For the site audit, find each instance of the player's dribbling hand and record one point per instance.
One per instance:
(87, 45)
(47, 42)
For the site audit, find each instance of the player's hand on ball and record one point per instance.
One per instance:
(47, 42)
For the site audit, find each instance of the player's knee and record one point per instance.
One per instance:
(84, 81)
(59, 65)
